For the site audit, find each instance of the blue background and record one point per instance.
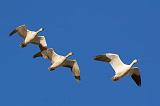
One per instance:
(87, 28)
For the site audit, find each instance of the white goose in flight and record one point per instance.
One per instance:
(59, 60)
(28, 36)
(120, 68)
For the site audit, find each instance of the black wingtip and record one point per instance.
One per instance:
(102, 58)
(137, 79)
(13, 32)
(22, 45)
(34, 56)
(77, 78)
(37, 55)
(139, 85)
(42, 29)
(95, 57)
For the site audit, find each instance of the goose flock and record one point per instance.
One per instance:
(121, 69)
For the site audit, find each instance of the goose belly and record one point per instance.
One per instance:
(57, 64)
(58, 61)
(30, 36)
(123, 72)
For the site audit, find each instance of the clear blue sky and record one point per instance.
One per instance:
(130, 28)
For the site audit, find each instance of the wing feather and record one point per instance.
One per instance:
(103, 58)
(21, 30)
(135, 75)
(74, 68)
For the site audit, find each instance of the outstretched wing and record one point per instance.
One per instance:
(103, 58)
(116, 62)
(21, 30)
(135, 74)
(113, 59)
(74, 67)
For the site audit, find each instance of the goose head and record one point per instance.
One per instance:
(135, 61)
(40, 30)
(115, 78)
(50, 50)
(21, 26)
(69, 54)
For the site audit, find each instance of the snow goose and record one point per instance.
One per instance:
(26, 34)
(59, 60)
(120, 68)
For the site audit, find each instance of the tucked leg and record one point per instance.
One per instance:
(23, 44)
(51, 68)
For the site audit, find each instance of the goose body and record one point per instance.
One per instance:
(27, 35)
(62, 61)
(120, 68)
